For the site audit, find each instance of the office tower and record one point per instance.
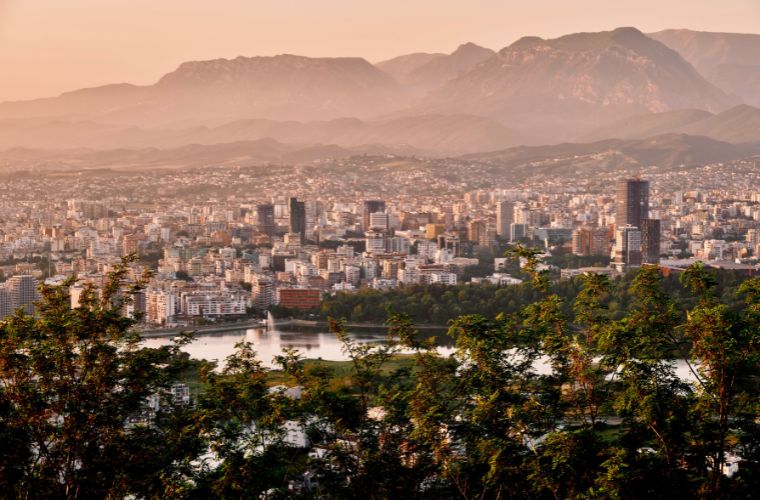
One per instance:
(627, 252)
(475, 230)
(22, 291)
(379, 221)
(521, 214)
(265, 219)
(488, 237)
(6, 303)
(650, 241)
(375, 241)
(371, 207)
(297, 221)
(130, 244)
(632, 202)
(517, 232)
(505, 216)
(262, 292)
(591, 241)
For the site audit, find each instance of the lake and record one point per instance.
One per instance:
(314, 343)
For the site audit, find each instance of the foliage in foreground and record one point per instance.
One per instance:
(538, 403)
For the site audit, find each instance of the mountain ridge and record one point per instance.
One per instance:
(534, 91)
(562, 84)
(731, 61)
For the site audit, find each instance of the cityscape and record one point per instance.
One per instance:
(218, 253)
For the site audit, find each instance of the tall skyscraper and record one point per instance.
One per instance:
(6, 303)
(632, 202)
(265, 219)
(505, 216)
(297, 222)
(517, 231)
(22, 291)
(650, 241)
(627, 251)
(371, 207)
(475, 230)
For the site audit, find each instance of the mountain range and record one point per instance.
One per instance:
(620, 84)
(664, 151)
(729, 60)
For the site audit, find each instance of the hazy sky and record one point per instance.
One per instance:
(50, 46)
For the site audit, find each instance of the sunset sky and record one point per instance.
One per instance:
(50, 46)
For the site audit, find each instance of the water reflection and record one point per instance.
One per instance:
(270, 343)
(314, 344)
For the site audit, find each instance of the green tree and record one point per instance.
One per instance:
(725, 347)
(75, 386)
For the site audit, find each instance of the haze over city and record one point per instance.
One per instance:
(55, 46)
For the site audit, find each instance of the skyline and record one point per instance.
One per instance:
(53, 48)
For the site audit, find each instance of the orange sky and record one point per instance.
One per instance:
(50, 46)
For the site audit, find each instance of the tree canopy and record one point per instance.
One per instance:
(556, 398)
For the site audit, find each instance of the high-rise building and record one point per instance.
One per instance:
(371, 207)
(375, 241)
(23, 292)
(632, 202)
(505, 216)
(627, 251)
(517, 231)
(650, 241)
(262, 292)
(475, 229)
(265, 219)
(591, 241)
(378, 221)
(488, 237)
(130, 244)
(297, 221)
(6, 303)
(160, 306)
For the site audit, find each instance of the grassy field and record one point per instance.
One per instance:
(340, 372)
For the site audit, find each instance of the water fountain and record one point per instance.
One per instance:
(270, 322)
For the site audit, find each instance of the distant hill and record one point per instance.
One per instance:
(435, 134)
(194, 155)
(571, 159)
(646, 125)
(666, 151)
(738, 124)
(556, 87)
(729, 60)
